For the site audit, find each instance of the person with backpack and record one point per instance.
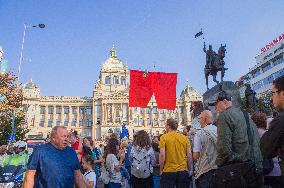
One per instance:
(271, 167)
(205, 152)
(175, 157)
(143, 158)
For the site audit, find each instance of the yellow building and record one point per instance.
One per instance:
(106, 110)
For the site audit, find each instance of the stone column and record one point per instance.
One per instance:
(54, 116)
(78, 116)
(62, 115)
(158, 118)
(112, 113)
(94, 121)
(46, 116)
(70, 117)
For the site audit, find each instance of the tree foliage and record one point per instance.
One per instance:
(10, 105)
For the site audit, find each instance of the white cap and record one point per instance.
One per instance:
(20, 144)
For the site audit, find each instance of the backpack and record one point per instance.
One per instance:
(140, 168)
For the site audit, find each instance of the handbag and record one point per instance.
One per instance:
(105, 176)
(236, 175)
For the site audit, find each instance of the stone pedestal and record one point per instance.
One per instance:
(228, 86)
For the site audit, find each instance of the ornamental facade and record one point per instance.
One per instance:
(106, 110)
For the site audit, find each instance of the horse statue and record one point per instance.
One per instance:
(214, 63)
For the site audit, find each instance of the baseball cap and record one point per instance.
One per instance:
(20, 144)
(220, 97)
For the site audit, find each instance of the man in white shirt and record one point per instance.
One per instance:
(204, 151)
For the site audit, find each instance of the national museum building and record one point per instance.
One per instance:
(106, 110)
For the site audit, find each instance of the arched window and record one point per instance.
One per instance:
(107, 80)
(122, 80)
(115, 80)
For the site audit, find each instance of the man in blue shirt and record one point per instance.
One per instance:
(54, 165)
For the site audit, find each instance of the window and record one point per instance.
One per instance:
(89, 110)
(135, 109)
(135, 121)
(42, 109)
(49, 123)
(278, 73)
(80, 123)
(50, 110)
(74, 122)
(115, 80)
(278, 61)
(155, 110)
(122, 80)
(41, 123)
(148, 122)
(57, 122)
(107, 80)
(257, 85)
(89, 123)
(268, 80)
(66, 123)
(147, 110)
(266, 67)
(155, 122)
(66, 110)
(74, 110)
(255, 74)
(25, 107)
(58, 109)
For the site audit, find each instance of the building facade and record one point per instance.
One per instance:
(269, 66)
(106, 110)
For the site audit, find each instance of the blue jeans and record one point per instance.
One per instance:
(114, 185)
(206, 180)
(156, 181)
(175, 179)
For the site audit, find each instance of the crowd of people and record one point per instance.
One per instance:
(236, 149)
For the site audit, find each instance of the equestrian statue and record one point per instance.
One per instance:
(214, 63)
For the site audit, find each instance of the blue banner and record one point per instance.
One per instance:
(11, 137)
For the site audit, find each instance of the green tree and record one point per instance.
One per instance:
(264, 104)
(10, 105)
(21, 128)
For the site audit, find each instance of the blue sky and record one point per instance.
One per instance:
(65, 58)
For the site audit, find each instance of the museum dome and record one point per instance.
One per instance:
(188, 91)
(30, 85)
(113, 62)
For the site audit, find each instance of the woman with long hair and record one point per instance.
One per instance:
(143, 159)
(114, 158)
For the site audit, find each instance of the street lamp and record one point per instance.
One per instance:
(41, 26)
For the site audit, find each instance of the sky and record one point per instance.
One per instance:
(65, 58)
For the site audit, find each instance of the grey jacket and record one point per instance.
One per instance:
(233, 142)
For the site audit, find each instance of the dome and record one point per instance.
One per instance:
(113, 62)
(30, 85)
(188, 91)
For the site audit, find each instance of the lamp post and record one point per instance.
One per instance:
(26, 26)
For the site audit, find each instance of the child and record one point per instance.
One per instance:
(90, 175)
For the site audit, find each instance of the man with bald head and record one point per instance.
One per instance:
(204, 151)
(55, 164)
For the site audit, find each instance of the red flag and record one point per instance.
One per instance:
(140, 90)
(142, 86)
(165, 90)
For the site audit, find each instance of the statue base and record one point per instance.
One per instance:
(228, 86)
